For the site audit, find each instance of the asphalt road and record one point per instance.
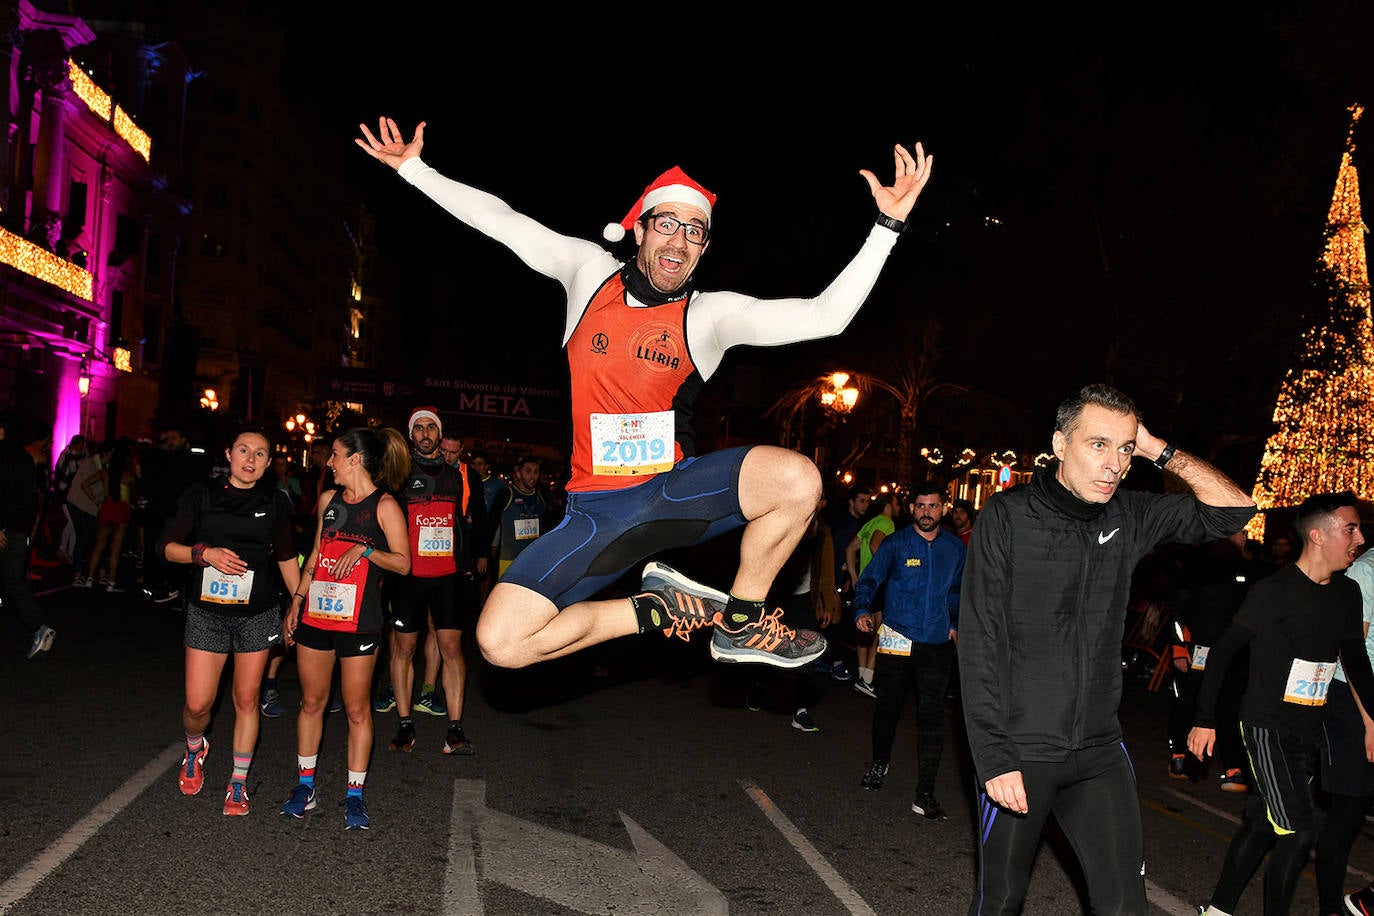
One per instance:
(649, 790)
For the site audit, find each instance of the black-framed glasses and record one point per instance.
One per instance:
(667, 225)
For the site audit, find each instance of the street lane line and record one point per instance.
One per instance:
(839, 887)
(1350, 869)
(1166, 901)
(462, 897)
(50, 859)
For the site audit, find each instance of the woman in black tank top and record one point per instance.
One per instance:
(232, 532)
(336, 613)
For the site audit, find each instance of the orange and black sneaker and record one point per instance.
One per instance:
(765, 641)
(686, 606)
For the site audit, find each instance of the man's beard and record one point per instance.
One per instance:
(927, 524)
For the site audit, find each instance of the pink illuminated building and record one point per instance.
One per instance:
(89, 222)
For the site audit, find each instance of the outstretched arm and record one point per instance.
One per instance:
(718, 321)
(550, 253)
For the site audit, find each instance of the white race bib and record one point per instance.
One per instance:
(632, 443)
(1199, 662)
(218, 588)
(436, 542)
(332, 600)
(526, 529)
(1308, 682)
(890, 642)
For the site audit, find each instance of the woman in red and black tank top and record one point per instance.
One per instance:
(337, 610)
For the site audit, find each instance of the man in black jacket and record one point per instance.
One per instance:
(1042, 616)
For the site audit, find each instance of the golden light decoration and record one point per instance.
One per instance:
(23, 255)
(96, 99)
(130, 133)
(1323, 439)
(123, 359)
(99, 102)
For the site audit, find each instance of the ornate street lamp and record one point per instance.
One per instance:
(838, 395)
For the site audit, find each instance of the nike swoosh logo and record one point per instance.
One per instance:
(366, 647)
(1104, 538)
(259, 514)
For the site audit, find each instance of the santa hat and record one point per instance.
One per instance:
(425, 413)
(673, 185)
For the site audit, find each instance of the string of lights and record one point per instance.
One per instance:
(1323, 439)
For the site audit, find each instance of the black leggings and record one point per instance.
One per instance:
(1093, 796)
(1278, 820)
(1344, 819)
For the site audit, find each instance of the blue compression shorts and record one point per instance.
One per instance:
(605, 533)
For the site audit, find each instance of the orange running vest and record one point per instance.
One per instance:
(627, 367)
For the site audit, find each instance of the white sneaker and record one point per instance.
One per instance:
(865, 688)
(42, 641)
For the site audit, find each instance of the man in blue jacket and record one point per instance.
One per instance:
(918, 569)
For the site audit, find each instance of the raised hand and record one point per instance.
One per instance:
(391, 148)
(912, 173)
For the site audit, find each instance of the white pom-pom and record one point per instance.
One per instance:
(613, 232)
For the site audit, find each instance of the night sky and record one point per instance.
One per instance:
(1134, 202)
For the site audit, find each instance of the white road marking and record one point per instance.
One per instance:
(1166, 901)
(848, 897)
(50, 859)
(462, 897)
(1227, 816)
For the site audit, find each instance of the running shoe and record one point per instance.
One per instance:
(930, 809)
(1178, 767)
(801, 720)
(191, 776)
(875, 774)
(355, 814)
(161, 594)
(1361, 903)
(688, 606)
(236, 799)
(865, 687)
(1234, 781)
(405, 738)
(458, 743)
(106, 582)
(114, 588)
(271, 703)
(766, 641)
(80, 581)
(385, 701)
(335, 703)
(302, 800)
(841, 672)
(42, 641)
(430, 704)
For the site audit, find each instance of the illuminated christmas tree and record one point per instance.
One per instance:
(1323, 438)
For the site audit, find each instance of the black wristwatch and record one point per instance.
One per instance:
(888, 222)
(1165, 454)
